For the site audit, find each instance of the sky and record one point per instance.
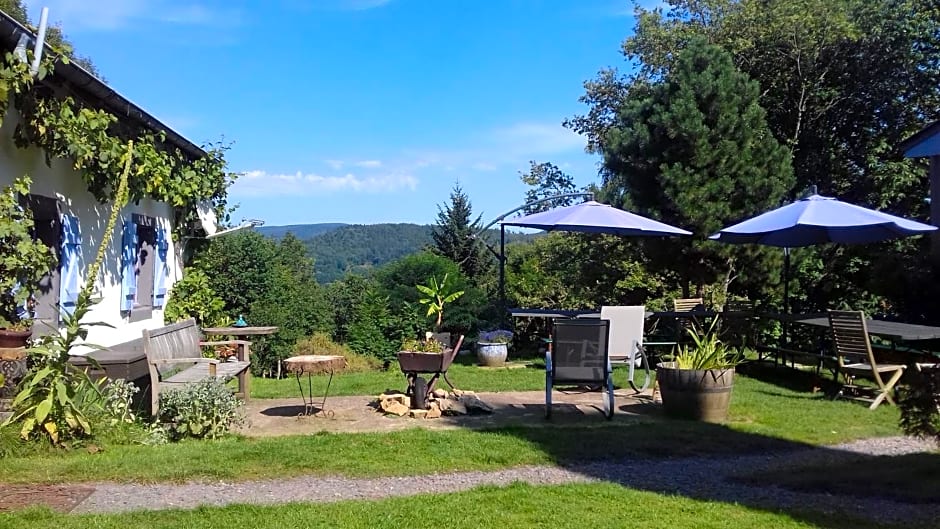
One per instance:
(360, 111)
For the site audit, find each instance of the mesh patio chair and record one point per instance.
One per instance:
(578, 354)
(625, 344)
(855, 358)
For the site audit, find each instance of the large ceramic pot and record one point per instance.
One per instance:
(492, 354)
(698, 394)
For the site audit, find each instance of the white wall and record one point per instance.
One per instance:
(66, 184)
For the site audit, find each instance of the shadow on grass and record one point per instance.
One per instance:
(715, 463)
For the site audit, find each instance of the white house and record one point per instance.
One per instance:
(142, 262)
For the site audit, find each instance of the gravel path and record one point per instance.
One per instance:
(697, 477)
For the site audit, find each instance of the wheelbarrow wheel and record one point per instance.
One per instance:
(420, 397)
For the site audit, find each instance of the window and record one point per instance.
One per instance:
(144, 266)
(47, 229)
(58, 290)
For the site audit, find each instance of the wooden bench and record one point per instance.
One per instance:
(174, 358)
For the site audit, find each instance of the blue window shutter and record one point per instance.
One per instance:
(70, 277)
(161, 269)
(128, 262)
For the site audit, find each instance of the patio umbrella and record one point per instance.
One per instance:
(594, 217)
(586, 217)
(817, 219)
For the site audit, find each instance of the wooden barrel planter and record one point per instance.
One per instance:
(702, 395)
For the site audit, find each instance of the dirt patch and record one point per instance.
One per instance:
(272, 417)
(61, 498)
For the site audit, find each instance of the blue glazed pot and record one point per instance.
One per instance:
(492, 354)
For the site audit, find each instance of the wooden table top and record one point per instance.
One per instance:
(240, 331)
(892, 329)
(314, 364)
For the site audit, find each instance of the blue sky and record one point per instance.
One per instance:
(360, 111)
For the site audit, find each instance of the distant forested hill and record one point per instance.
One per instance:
(301, 231)
(358, 248)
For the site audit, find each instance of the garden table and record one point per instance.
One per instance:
(314, 365)
(895, 330)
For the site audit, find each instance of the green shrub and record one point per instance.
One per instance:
(193, 297)
(205, 409)
(321, 344)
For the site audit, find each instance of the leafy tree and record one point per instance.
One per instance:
(192, 297)
(344, 297)
(373, 330)
(238, 267)
(292, 300)
(843, 82)
(454, 236)
(546, 180)
(397, 280)
(696, 152)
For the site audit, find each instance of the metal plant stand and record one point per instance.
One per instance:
(314, 365)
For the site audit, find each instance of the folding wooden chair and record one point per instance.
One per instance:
(578, 354)
(855, 358)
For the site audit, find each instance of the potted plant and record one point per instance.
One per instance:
(422, 354)
(493, 347)
(24, 262)
(698, 383)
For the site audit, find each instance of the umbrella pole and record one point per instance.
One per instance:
(786, 293)
(502, 274)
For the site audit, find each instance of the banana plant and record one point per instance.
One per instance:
(438, 294)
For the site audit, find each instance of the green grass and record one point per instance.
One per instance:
(374, 382)
(911, 478)
(764, 416)
(516, 506)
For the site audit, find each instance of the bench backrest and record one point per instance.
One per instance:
(179, 340)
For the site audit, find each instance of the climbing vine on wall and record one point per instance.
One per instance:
(94, 140)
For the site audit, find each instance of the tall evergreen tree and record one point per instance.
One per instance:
(454, 236)
(696, 152)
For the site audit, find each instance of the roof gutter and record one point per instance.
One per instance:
(77, 79)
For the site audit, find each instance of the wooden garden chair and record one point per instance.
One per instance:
(855, 358)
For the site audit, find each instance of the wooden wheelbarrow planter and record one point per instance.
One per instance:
(414, 364)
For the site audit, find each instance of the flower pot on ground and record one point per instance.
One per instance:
(698, 384)
(493, 347)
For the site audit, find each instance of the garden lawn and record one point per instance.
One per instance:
(517, 506)
(765, 417)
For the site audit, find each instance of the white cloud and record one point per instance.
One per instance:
(117, 14)
(369, 164)
(262, 183)
(336, 165)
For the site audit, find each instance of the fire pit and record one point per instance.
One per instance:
(414, 364)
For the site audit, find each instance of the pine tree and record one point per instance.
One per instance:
(454, 236)
(694, 150)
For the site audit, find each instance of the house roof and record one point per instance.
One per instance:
(75, 79)
(924, 143)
